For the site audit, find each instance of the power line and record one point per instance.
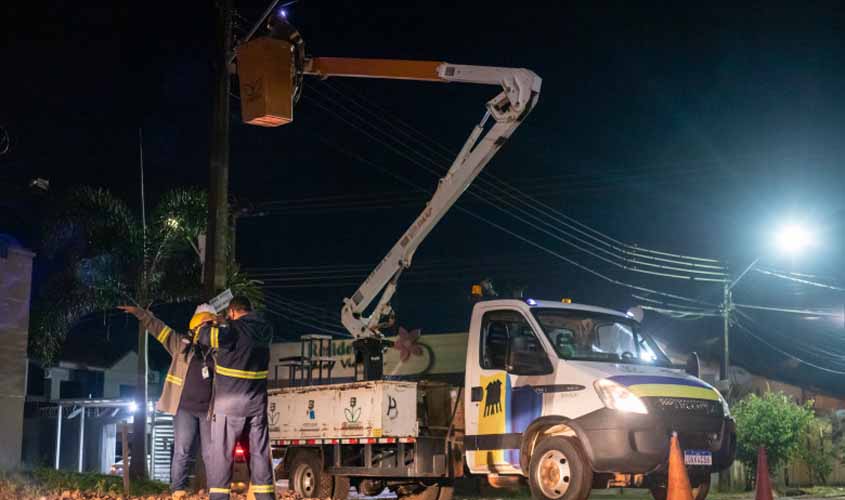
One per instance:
(805, 312)
(632, 268)
(803, 281)
(512, 233)
(493, 177)
(783, 352)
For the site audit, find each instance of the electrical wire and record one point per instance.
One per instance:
(545, 231)
(286, 314)
(750, 333)
(803, 281)
(303, 312)
(805, 312)
(684, 315)
(533, 214)
(524, 239)
(495, 179)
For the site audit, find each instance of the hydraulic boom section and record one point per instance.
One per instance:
(520, 92)
(269, 70)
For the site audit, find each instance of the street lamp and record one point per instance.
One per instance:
(790, 239)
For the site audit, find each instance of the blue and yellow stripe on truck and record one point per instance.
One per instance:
(646, 386)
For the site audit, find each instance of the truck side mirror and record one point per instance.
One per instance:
(693, 365)
(527, 357)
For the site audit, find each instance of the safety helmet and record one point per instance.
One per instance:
(203, 313)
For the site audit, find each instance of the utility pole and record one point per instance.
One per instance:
(727, 305)
(214, 278)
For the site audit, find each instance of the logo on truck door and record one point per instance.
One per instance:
(493, 399)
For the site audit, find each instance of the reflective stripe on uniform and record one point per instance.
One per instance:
(231, 372)
(173, 379)
(219, 490)
(215, 337)
(262, 488)
(163, 334)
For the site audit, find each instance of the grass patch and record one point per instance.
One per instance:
(49, 480)
(825, 491)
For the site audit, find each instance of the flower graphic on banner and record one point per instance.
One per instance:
(406, 344)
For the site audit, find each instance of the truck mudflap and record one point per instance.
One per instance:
(630, 443)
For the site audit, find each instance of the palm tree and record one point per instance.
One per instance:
(103, 254)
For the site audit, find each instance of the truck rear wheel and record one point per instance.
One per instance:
(308, 478)
(559, 470)
(370, 487)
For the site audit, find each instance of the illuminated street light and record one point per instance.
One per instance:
(792, 239)
(133, 407)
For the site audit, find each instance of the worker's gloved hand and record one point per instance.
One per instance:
(138, 312)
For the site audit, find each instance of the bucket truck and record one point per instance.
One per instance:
(566, 396)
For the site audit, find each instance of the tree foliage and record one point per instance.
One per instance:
(101, 254)
(818, 450)
(772, 420)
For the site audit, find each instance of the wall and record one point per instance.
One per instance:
(15, 287)
(121, 373)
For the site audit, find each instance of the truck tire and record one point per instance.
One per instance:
(308, 478)
(370, 487)
(699, 492)
(560, 470)
(426, 492)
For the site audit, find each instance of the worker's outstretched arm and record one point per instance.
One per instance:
(155, 327)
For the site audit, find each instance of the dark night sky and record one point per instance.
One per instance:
(688, 130)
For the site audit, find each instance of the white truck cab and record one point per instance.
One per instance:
(573, 395)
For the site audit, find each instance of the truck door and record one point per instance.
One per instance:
(500, 404)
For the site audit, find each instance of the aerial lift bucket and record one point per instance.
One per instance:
(266, 74)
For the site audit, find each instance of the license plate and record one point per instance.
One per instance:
(698, 457)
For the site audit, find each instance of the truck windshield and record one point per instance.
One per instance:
(584, 335)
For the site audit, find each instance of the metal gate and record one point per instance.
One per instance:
(161, 453)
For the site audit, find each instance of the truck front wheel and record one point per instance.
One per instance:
(559, 470)
(308, 478)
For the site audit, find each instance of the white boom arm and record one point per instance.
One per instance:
(521, 89)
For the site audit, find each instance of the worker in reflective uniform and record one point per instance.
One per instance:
(239, 404)
(187, 389)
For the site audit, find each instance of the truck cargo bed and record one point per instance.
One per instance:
(354, 410)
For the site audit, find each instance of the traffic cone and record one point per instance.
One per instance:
(678, 487)
(764, 484)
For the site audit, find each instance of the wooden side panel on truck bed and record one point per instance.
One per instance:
(371, 409)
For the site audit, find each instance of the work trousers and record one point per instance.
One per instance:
(225, 431)
(187, 427)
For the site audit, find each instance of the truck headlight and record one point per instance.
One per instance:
(618, 397)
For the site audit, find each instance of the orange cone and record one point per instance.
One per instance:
(678, 487)
(764, 484)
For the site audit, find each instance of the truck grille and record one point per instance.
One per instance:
(684, 406)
